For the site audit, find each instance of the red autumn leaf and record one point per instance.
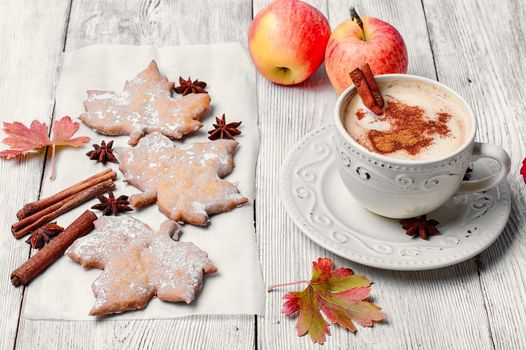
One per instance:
(62, 132)
(523, 169)
(339, 293)
(22, 139)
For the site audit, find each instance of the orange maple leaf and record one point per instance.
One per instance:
(22, 139)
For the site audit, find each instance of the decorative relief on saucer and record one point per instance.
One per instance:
(307, 182)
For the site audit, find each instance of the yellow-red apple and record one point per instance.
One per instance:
(361, 40)
(287, 41)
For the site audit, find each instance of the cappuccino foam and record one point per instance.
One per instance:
(420, 121)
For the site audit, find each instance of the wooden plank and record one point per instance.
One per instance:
(286, 114)
(479, 51)
(158, 23)
(29, 57)
(433, 309)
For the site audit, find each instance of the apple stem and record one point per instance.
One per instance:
(355, 16)
(270, 288)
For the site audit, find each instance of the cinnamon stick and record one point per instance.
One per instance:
(30, 223)
(362, 87)
(373, 87)
(53, 250)
(33, 207)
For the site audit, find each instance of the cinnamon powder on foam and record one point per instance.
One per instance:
(408, 131)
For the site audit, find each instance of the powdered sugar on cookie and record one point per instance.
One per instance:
(145, 105)
(139, 264)
(185, 181)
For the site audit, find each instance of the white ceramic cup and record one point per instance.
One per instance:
(400, 188)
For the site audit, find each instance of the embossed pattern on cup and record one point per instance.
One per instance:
(396, 190)
(400, 188)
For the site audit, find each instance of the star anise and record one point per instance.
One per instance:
(222, 130)
(103, 153)
(420, 226)
(190, 87)
(112, 205)
(43, 235)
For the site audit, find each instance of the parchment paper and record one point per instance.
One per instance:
(64, 290)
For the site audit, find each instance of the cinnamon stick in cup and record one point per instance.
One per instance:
(373, 87)
(365, 84)
(53, 250)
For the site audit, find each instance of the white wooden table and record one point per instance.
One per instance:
(478, 47)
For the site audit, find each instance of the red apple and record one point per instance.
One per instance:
(361, 40)
(287, 41)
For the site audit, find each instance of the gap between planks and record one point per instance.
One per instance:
(64, 38)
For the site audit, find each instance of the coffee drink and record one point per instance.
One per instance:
(420, 121)
(410, 159)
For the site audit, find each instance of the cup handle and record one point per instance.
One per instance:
(487, 150)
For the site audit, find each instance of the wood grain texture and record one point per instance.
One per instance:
(432, 309)
(30, 57)
(479, 50)
(198, 332)
(160, 23)
(157, 22)
(286, 114)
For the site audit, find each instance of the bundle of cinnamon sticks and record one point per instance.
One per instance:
(365, 84)
(54, 250)
(36, 214)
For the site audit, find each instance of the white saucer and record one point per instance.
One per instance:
(319, 203)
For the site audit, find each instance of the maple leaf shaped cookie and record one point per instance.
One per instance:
(145, 105)
(139, 264)
(185, 181)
